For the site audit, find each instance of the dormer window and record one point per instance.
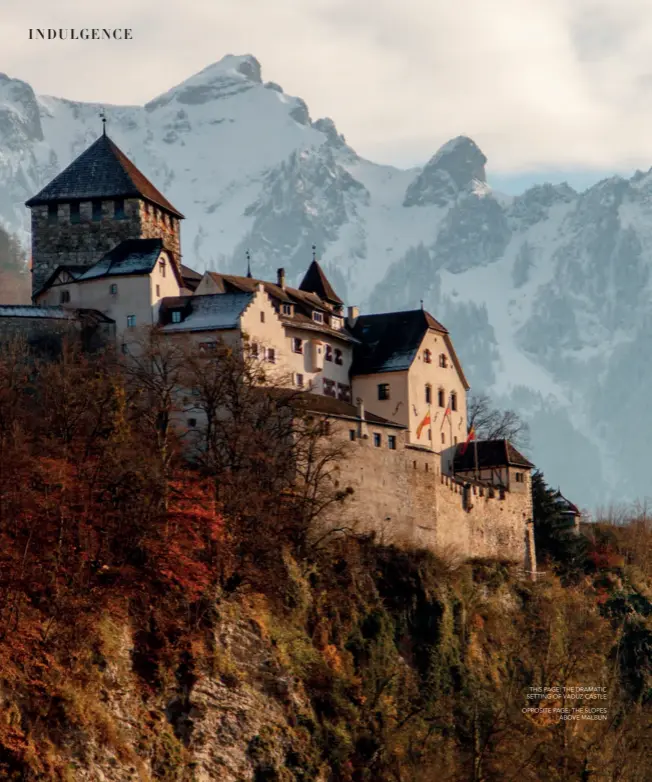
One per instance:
(318, 317)
(427, 356)
(287, 309)
(74, 213)
(119, 208)
(336, 323)
(53, 213)
(176, 316)
(443, 360)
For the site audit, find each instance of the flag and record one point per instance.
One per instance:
(471, 436)
(423, 423)
(447, 411)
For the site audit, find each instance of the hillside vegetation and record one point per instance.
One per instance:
(171, 619)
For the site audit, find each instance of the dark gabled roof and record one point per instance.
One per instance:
(390, 341)
(190, 277)
(315, 281)
(491, 453)
(133, 256)
(326, 405)
(52, 313)
(101, 171)
(211, 312)
(566, 506)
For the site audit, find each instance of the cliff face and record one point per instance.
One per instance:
(372, 664)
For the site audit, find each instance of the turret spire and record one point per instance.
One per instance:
(248, 256)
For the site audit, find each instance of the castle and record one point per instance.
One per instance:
(106, 260)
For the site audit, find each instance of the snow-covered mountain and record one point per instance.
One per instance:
(546, 294)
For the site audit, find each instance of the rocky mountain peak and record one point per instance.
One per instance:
(455, 167)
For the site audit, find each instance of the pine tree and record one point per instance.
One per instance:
(555, 541)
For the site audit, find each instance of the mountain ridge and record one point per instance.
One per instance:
(544, 292)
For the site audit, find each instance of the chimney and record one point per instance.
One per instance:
(280, 278)
(362, 423)
(352, 316)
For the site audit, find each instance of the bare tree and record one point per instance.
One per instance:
(491, 423)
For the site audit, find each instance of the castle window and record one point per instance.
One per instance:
(430, 434)
(119, 208)
(74, 213)
(518, 477)
(318, 317)
(338, 356)
(428, 393)
(383, 391)
(441, 397)
(161, 267)
(271, 355)
(329, 387)
(208, 347)
(64, 297)
(53, 213)
(455, 440)
(443, 361)
(414, 465)
(158, 290)
(131, 321)
(176, 316)
(192, 422)
(443, 438)
(97, 211)
(427, 356)
(391, 442)
(125, 348)
(297, 345)
(299, 380)
(113, 289)
(344, 392)
(262, 317)
(329, 353)
(453, 400)
(426, 466)
(351, 434)
(254, 349)
(325, 428)
(378, 439)
(287, 309)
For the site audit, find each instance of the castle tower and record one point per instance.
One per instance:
(100, 200)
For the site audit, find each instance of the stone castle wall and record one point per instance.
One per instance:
(403, 496)
(62, 242)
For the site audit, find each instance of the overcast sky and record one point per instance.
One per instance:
(558, 85)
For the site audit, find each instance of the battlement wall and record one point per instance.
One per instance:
(403, 496)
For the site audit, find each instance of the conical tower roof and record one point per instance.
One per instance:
(315, 281)
(101, 171)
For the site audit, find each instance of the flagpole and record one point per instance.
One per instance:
(450, 421)
(475, 450)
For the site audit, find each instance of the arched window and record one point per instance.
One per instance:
(441, 398)
(428, 394)
(443, 360)
(453, 400)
